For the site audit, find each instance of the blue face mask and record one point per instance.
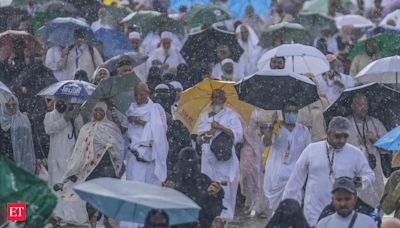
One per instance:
(290, 117)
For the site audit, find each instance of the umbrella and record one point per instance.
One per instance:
(315, 6)
(60, 31)
(175, 4)
(391, 6)
(315, 22)
(390, 141)
(116, 14)
(7, 47)
(197, 99)
(41, 18)
(387, 45)
(5, 93)
(114, 42)
(206, 14)
(24, 3)
(139, 16)
(356, 21)
(395, 15)
(382, 29)
(285, 32)
(384, 103)
(270, 90)
(131, 200)
(299, 58)
(18, 185)
(202, 45)
(383, 70)
(118, 90)
(136, 58)
(73, 90)
(87, 8)
(59, 6)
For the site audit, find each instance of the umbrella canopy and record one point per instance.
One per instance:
(60, 6)
(383, 104)
(73, 90)
(299, 59)
(356, 21)
(270, 90)
(284, 32)
(87, 8)
(117, 90)
(131, 200)
(395, 15)
(114, 42)
(115, 14)
(135, 57)
(18, 185)
(60, 31)
(387, 45)
(197, 99)
(206, 14)
(382, 29)
(5, 93)
(41, 18)
(383, 70)
(316, 6)
(390, 141)
(138, 16)
(315, 22)
(7, 45)
(24, 3)
(201, 46)
(390, 7)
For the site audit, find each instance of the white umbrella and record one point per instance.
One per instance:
(299, 59)
(356, 21)
(395, 15)
(75, 91)
(385, 70)
(5, 93)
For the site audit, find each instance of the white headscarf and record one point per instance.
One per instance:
(251, 49)
(134, 35)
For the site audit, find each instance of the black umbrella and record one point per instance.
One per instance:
(384, 103)
(270, 90)
(87, 8)
(59, 6)
(135, 58)
(201, 46)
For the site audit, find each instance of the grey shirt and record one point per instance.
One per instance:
(335, 221)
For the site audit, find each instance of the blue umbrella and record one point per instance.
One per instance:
(114, 43)
(238, 7)
(390, 141)
(130, 201)
(60, 31)
(74, 91)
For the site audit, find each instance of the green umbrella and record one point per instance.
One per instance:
(315, 22)
(316, 6)
(18, 185)
(116, 14)
(285, 32)
(24, 3)
(41, 18)
(140, 16)
(387, 45)
(206, 14)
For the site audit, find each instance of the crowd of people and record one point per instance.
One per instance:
(288, 165)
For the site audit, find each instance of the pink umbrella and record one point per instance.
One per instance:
(7, 46)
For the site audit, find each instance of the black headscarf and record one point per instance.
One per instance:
(288, 214)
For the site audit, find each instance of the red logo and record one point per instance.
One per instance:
(16, 211)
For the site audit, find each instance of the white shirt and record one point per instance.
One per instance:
(333, 92)
(336, 221)
(313, 166)
(53, 56)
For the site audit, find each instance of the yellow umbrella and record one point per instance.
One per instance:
(197, 99)
(110, 2)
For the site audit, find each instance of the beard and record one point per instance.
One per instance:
(344, 214)
(166, 51)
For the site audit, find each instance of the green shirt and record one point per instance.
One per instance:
(391, 196)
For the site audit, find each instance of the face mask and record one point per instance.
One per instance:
(61, 108)
(290, 117)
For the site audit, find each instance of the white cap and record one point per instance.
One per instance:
(134, 35)
(176, 85)
(225, 61)
(161, 86)
(167, 35)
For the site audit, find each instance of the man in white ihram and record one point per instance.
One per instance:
(211, 124)
(320, 164)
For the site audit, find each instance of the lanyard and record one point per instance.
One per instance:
(362, 136)
(331, 159)
(78, 55)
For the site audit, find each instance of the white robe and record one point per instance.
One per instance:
(154, 134)
(152, 40)
(61, 146)
(312, 117)
(252, 52)
(332, 91)
(222, 170)
(313, 166)
(173, 60)
(237, 71)
(277, 172)
(335, 221)
(53, 56)
(374, 193)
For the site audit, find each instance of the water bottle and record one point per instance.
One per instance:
(376, 214)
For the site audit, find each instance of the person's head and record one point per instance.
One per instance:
(142, 93)
(61, 106)
(344, 197)
(31, 2)
(370, 47)
(290, 111)
(178, 89)
(227, 66)
(79, 37)
(19, 45)
(322, 45)
(99, 111)
(249, 11)
(81, 75)
(188, 163)
(167, 77)
(277, 63)
(338, 132)
(166, 40)
(326, 32)
(391, 223)
(154, 77)
(378, 3)
(162, 95)
(182, 9)
(218, 99)
(135, 40)
(288, 214)
(360, 4)
(182, 70)
(223, 52)
(156, 219)
(101, 74)
(124, 66)
(244, 33)
(102, 13)
(12, 105)
(359, 106)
